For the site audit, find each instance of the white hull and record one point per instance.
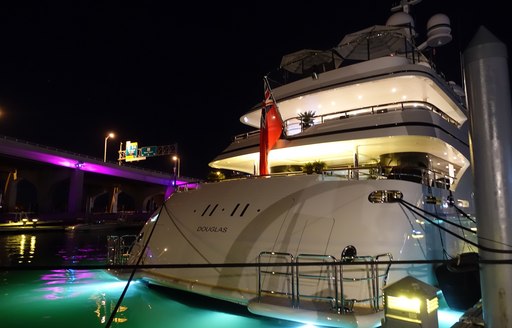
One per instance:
(232, 222)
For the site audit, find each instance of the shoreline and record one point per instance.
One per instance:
(17, 227)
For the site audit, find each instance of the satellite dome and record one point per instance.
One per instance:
(402, 19)
(438, 30)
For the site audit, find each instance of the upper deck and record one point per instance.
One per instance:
(372, 83)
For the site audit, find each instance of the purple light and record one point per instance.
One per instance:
(57, 281)
(74, 161)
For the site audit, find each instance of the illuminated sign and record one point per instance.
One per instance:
(132, 152)
(148, 151)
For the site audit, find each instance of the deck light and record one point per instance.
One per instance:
(410, 302)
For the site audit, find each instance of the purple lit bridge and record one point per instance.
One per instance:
(52, 183)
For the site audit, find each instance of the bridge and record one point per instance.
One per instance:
(56, 184)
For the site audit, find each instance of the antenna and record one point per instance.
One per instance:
(404, 5)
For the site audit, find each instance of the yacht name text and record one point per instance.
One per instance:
(211, 229)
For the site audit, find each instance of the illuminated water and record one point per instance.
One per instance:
(85, 298)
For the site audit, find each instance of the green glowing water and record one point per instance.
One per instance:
(86, 298)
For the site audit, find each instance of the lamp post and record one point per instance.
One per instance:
(120, 151)
(110, 135)
(176, 160)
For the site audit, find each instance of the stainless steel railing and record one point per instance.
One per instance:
(332, 275)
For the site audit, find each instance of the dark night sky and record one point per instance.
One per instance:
(71, 71)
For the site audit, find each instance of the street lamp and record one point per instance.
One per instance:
(110, 135)
(176, 159)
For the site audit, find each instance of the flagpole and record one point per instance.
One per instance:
(274, 100)
(271, 126)
(263, 165)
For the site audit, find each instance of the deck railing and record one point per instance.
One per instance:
(327, 271)
(292, 126)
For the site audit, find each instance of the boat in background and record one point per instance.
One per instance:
(30, 226)
(121, 220)
(104, 225)
(389, 195)
(26, 222)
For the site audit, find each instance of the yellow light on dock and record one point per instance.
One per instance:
(432, 304)
(403, 303)
(410, 301)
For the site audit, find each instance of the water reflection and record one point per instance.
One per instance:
(70, 284)
(86, 298)
(54, 248)
(21, 248)
(104, 309)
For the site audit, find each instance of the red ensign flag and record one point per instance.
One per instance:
(271, 127)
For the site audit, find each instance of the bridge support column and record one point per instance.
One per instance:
(9, 195)
(76, 189)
